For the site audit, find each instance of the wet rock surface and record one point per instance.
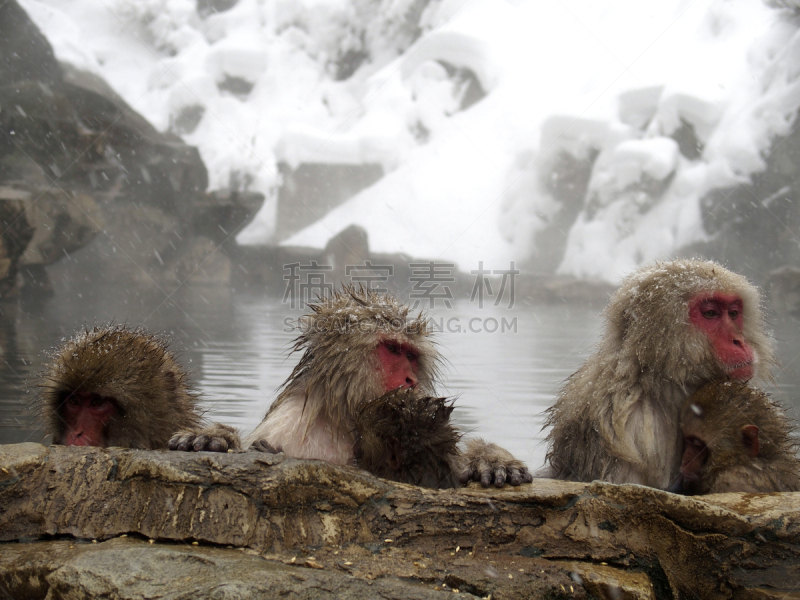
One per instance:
(210, 525)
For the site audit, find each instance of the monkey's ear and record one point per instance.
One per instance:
(750, 439)
(170, 381)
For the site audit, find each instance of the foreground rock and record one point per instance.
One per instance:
(250, 524)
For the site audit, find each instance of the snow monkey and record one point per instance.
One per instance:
(358, 345)
(406, 436)
(736, 439)
(115, 386)
(670, 328)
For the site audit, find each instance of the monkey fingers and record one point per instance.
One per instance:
(519, 474)
(214, 438)
(264, 446)
(491, 464)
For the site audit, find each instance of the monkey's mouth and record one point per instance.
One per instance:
(740, 371)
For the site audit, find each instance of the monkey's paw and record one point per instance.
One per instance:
(490, 464)
(214, 438)
(264, 446)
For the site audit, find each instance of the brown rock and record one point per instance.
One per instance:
(559, 538)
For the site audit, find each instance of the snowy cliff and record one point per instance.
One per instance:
(574, 136)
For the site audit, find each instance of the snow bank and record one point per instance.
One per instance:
(287, 81)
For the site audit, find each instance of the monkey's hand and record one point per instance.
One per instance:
(214, 438)
(490, 464)
(264, 446)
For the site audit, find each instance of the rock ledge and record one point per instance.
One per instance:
(89, 522)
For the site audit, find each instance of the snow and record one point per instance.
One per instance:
(615, 76)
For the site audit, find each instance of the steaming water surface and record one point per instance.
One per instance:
(236, 346)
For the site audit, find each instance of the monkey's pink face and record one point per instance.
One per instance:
(721, 318)
(399, 364)
(86, 416)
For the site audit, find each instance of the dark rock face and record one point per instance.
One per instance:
(25, 54)
(312, 190)
(90, 170)
(755, 225)
(310, 529)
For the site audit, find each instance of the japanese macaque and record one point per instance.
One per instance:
(407, 437)
(115, 386)
(357, 346)
(670, 328)
(736, 439)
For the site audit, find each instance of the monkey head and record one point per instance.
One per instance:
(115, 386)
(732, 435)
(359, 344)
(690, 321)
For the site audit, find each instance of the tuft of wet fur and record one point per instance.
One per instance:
(134, 367)
(407, 437)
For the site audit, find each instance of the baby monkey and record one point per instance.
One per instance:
(736, 439)
(406, 436)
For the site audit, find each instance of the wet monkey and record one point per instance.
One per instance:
(115, 386)
(406, 436)
(736, 439)
(358, 345)
(670, 328)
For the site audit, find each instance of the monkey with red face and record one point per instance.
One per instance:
(358, 345)
(670, 328)
(116, 386)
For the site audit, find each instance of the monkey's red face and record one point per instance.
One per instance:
(399, 364)
(721, 318)
(86, 415)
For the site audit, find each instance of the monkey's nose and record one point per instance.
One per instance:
(411, 381)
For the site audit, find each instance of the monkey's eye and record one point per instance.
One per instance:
(733, 314)
(392, 348)
(711, 313)
(98, 401)
(73, 400)
(411, 356)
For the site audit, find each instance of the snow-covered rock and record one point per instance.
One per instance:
(685, 96)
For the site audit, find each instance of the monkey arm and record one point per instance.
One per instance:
(214, 438)
(489, 464)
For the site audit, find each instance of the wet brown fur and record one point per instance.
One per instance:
(130, 365)
(407, 437)
(716, 414)
(617, 417)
